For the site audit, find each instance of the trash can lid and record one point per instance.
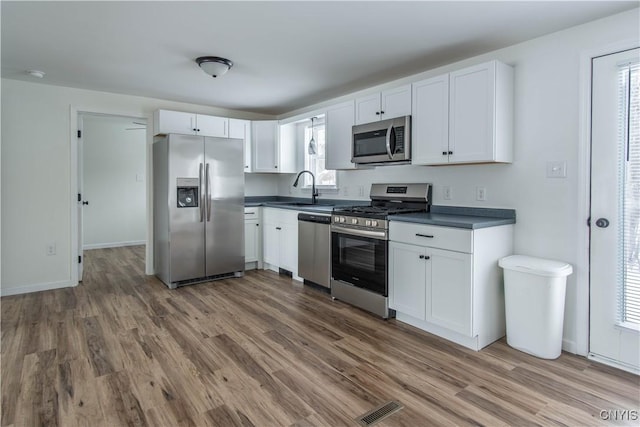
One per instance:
(538, 266)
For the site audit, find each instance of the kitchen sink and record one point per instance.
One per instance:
(301, 204)
(296, 204)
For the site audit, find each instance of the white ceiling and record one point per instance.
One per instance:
(287, 55)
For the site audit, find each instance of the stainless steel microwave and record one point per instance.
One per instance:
(386, 141)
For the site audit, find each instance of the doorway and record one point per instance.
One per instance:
(111, 182)
(614, 336)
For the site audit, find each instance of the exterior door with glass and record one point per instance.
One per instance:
(615, 210)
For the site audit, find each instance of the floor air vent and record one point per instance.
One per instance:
(379, 414)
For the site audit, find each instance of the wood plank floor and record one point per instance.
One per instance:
(263, 350)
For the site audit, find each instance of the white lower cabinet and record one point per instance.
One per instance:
(447, 281)
(280, 240)
(252, 238)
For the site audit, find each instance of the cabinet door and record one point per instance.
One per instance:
(174, 122)
(241, 129)
(265, 145)
(251, 232)
(287, 146)
(396, 102)
(407, 279)
(430, 121)
(339, 120)
(212, 126)
(368, 109)
(449, 290)
(271, 243)
(471, 114)
(289, 248)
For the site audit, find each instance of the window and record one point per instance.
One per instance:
(629, 174)
(316, 162)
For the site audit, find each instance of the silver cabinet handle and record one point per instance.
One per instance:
(208, 186)
(201, 194)
(388, 139)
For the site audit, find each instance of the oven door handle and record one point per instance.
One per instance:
(379, 235)
(389, 141)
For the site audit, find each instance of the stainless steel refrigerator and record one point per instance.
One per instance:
(198, 212)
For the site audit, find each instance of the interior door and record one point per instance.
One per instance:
(224, 195)
(80, 199)
(615, 210)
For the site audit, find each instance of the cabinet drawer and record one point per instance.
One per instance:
(453, 239)
(252, 213)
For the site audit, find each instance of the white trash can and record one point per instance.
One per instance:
(534, 293)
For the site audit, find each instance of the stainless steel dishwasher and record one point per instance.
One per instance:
(314, 248)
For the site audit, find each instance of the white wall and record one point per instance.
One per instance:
(114, 182)
(261, 184)
(37, 197)
(547, 127)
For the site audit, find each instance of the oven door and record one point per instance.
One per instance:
(360, 261)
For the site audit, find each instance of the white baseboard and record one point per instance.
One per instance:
(569, 346)
(113, 245)
(38, 287)
(614, 363)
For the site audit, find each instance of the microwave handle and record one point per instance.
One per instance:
(389, 142)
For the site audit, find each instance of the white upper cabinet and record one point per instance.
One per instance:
(212, 126)
(481, 114)
(274, 147)
(384, 105)
(241, 129)
(288, 149)
(264, 136)
(339, 119)
(430, 121)
(478, 113)
(165, 121)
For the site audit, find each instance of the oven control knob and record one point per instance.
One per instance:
(374, 223)
(354, 220)
(343, 219)
(368, 223)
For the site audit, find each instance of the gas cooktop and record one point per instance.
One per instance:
(374, 211)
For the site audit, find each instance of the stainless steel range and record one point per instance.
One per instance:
(360, 242)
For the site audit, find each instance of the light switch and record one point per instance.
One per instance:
(556, 169)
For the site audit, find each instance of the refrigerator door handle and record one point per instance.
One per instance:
(208, 193)
(201, 197)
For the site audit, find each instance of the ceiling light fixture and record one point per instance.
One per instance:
(214, 65)
(36, 73)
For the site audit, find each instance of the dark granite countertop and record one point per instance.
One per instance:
(445, 216)
(324, 206)
(460, 217)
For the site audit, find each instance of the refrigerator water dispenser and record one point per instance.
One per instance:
(187, 192)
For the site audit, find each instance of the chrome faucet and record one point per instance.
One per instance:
(314, 191)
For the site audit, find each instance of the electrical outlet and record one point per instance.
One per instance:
(51, 248)
(481, 193)
(446, 192)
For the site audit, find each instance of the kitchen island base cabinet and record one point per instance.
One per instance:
(454, 291)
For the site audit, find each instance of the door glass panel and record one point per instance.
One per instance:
(370, 143)
(629, 175)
